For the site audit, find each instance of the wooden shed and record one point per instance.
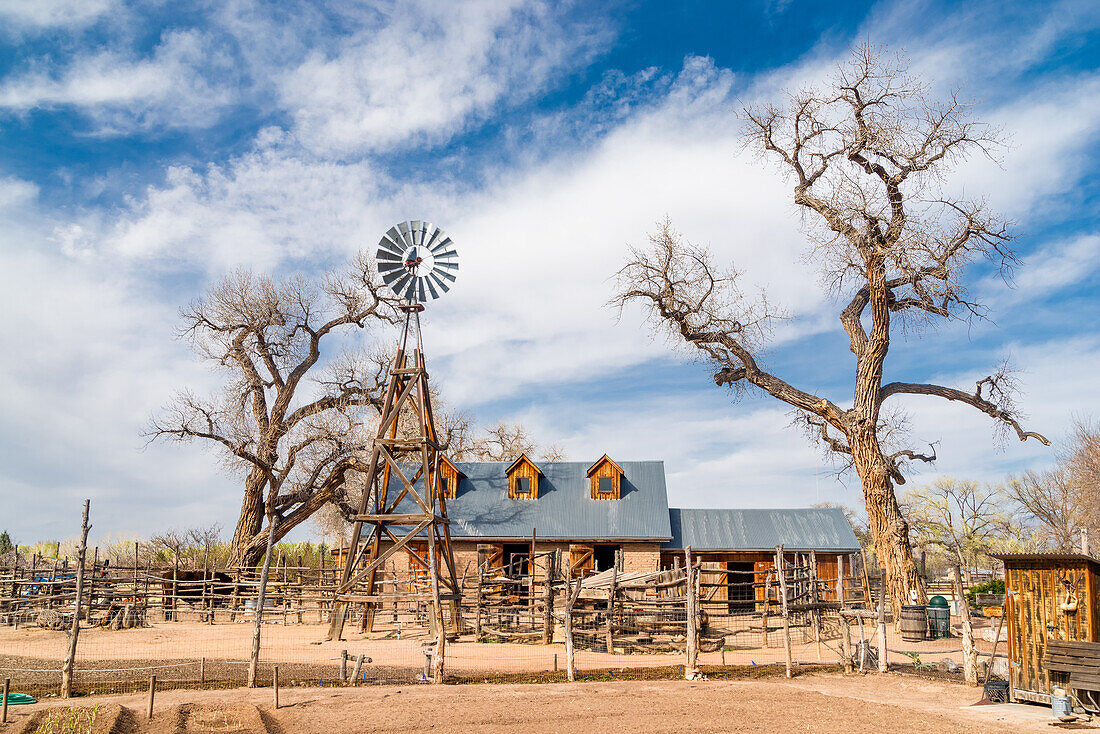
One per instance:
(1052, 606)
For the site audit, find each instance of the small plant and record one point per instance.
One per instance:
(68, 721)
(993, 586)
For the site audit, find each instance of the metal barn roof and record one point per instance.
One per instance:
(812, 528)
(564, 509)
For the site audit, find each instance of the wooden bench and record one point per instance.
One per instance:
(1080, 660)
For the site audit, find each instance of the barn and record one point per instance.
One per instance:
(1053, 618)
(611, 512)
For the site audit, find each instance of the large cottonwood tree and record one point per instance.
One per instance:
(867, 153)
(290, 419)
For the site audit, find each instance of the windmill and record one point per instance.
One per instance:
(402, 504)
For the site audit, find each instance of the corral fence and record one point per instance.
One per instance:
(533, 619)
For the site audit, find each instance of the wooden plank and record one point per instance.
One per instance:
(1064, 667)
(1074, 645)
(411, 519)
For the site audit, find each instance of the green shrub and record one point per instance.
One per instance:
(993, 586)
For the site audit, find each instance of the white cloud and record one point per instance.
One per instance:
(122, 93)
(42, 14)
(429, 70)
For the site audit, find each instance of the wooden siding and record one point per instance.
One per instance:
(448, 471)
(1037, 590)
(524, 467)
(606, 468)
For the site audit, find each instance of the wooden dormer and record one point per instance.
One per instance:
(449, 477)
(606, 479)
(523, 479)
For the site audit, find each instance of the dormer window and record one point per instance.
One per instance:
(606, 478)
(523, 479)
(449, 478)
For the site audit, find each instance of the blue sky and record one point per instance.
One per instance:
(147, 148)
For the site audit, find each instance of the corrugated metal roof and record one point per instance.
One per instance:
(1045, 557)
(564, 509)
(817, 528)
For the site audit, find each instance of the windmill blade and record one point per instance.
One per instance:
(449, 266)
(391, 277)
(389, 245)
(443, 274)
(399, 286)
(435, 233)
(410, 292)
(396, 238)
(448, 255)
(431, 289)
(420, 288)
(403, 228)
(387, 255)
(439, 282)
(385, 267)
(446, 241)
(417, 234)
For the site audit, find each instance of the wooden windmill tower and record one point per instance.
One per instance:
(402, 504)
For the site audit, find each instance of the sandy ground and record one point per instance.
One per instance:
(171, 642)
(808, 703)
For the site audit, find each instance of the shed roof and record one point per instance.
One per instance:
(811, 528)
(564, 509)
(1035, 557)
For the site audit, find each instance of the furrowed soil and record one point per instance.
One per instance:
(808, 703)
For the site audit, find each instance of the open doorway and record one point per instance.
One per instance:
(516, 558)
(603, 557)
(740, 593)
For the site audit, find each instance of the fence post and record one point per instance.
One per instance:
(970, 654)
(883, 664)
(548, 600)
(343, 666)
(358, 669)
(254, 663)
(692, 646)
(70, 657)
(152, 693)
(275, 684)
(781, 573)
(608, 642)
(572, 595)
(4, 704)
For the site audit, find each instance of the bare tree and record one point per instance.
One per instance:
(292, 424)
(504, 442)
(1050, 501)
(866, 153)
(1082, 464)
(963, 518)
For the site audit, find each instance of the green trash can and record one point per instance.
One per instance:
(939, 618)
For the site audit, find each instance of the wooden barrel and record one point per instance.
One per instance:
(914, 623)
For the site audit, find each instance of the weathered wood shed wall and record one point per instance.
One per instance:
(1049, 598)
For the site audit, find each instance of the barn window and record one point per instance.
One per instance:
(523, 479)
(606, 478)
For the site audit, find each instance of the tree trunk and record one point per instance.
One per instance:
(889, 529)
(243, 552)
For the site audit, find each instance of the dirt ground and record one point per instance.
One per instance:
(181, 641)
(808, 703)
